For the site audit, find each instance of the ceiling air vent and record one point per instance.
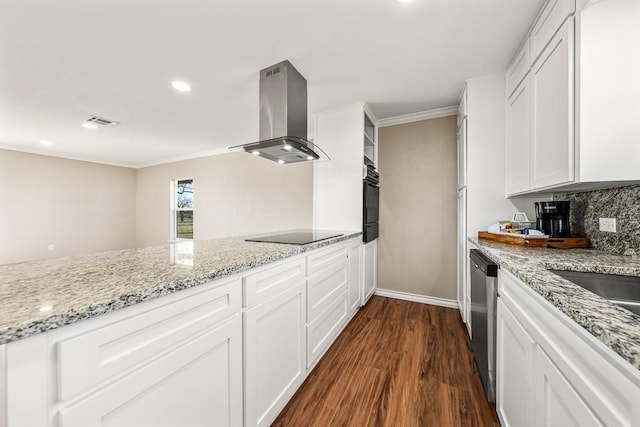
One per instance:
(102, 122)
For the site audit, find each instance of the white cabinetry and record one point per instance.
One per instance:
(461, 143)
(274, 351)
(558, 403)
(204, 370)
(581, 130)
(355, 276)
(481, 202)
(327, 299)
(551, 371)
(514, 355)
(349, 137)
(540, 104)
(179, 359)
(552, 143)
(462, 258)
(338, 183)
(370, 269)
(126, 368)
(519, 137)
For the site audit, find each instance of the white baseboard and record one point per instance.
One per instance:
(442, 302)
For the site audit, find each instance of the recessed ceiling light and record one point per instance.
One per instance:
(181, 86)
(255, 152)
(281, 162)
(88, 125)
(46, 142)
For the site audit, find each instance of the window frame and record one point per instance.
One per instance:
(175, 209)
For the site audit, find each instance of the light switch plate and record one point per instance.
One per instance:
(608, 225)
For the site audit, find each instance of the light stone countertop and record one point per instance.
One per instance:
(617, 328)
(37, 296)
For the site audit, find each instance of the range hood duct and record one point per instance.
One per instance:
(283, 117)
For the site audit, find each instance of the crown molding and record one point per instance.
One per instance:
(51, 153)
(416, 117)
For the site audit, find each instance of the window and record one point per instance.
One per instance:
(183, 209)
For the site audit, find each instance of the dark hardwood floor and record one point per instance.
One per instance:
(398, 363)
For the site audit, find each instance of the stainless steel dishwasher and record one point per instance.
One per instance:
(484, 294)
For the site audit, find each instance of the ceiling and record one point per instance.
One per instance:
(62, 61)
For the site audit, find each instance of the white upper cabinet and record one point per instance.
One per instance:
(552, 143)
(551, 17)
(519, 137)
(609, 84)
(583, 88)
(462, 154)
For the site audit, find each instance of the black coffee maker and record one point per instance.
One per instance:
(552, 218)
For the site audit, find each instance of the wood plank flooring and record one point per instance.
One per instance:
(398, 363)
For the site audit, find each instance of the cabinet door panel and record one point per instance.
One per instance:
(462, 253)
(557, 403)
(518, 69)
(552, 143)
(196, 383)
(514, 390)
(370, 269)
(355, 275)
(462, 154)
(274, 354)
(518, 139)
(550, 19)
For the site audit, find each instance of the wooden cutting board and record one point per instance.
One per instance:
(543, 242)
(568, 242)
(515, 239)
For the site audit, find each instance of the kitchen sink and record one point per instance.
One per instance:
(621, 290)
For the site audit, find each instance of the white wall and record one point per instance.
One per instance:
(417, 244)
(338, 183)
(79, 207)
(234, 194)
(486, 167)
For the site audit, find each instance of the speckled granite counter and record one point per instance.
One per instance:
(39, 296)
(619, 329)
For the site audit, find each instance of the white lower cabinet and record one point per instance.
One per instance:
(514, 358)
(558, 403)
(370, 270)
(196, 384)
(552, 372)
(228, 353)
(274, 354)
(355, 276)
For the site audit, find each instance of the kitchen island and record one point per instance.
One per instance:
(177, 334)
(564, 354)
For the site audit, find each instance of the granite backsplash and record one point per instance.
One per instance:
(622, 203)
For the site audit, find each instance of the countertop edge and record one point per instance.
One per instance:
(33, 327)
(620, 333)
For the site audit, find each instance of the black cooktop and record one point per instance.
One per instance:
(296, 237)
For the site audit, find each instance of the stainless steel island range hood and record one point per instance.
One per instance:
(283, 117)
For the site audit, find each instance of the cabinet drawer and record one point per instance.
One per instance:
(324, 285)
(518, 69)
(260, 286)
(550, 20)
(319, 260)
(90, 358)
(323, 330)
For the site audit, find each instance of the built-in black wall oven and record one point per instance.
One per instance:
(371, 207)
